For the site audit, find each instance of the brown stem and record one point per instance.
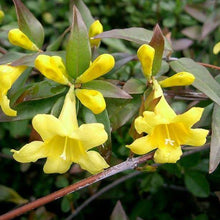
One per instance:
(128, 164)
(209, 65)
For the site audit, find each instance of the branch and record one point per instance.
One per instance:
(129, 164)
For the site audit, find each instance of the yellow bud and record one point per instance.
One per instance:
(92, 99)
(101, 65)
(95, 29)
(2, 15)
(216, 48)
(52, 67)
(18, 38)
(179, 79)
(146, 56)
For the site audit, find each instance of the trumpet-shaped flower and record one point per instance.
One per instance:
(178, 79)
(95, 29)
(18, 38)
(8, 75)
(64, 142)
(167, 131)
(216, 48)
(53, 68)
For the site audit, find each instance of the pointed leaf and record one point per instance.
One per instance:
(204, 80)
(157, 42)
(29, 24)
(107, 89)
(135, 34)
(196, 12)
(215, 140)
(134, 86)
(193, 32)
(10, 57)
(78, 52)
(118, 212)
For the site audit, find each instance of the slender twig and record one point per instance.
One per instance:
(127, 165)
(2, 50)
(100, 192)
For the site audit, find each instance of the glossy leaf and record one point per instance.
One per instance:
(204, 80)
(9, 195)
(215, 140)
(107, 89)
(157, 42)
(118, 212)
(78, 52)
(197, 184)
(135, 34)
(134, 86)
(29, 24)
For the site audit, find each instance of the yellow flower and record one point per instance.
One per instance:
(167, 131)
(95, 29)
(2, 15)
(53, 68)
(178, 79)
(18, 38)
(216, 48)
(64, 142)
(146, 56)
(8, 75)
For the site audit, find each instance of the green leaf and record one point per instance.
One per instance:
(11, 56)
(84, 11)
(107, 89)
(215, 140)
(57, 107)
(121, 110)
(27, 110)
(29, 24)
(42, 90)
(134, 34)
(204, 80)
(134, 86)
(197, 184)
(65, 204)
(103, 118)
(9, 195)
(78, 51)
(118, 212)
(157, 42)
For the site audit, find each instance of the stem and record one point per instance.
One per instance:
(127, 165)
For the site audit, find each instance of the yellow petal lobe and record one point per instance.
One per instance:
(95, 29)
(179, 79)
(101, 65)
(146, 56)
(18, 38)
(216, 48)
(92, 99)
(53, 68)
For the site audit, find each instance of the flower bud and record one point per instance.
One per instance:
(95, 29)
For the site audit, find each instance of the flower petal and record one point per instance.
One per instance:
(178, 79)
(95, 29)
(196, 137)
(48, 126)
(146, 56)
(56, 165)
(190, 117)
(101, 65)
(18, 38)
(93, 162)
(4, 103)
(52, 67)
(142, 145)
(148, 122)
(91, 135)
(167, 155)
(92, 99)
(216, 48)
(30, 152)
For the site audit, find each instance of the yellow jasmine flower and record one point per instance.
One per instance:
(2, 15)
(178, 79)
(95, 29)
(92, 99)
(216, 48)
(8, 75)
(146, 56)
(18, 38)
(167, 131)
(64, 142)
(53, 68)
